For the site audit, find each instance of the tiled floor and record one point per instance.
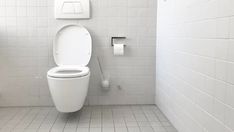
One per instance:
(136, 118)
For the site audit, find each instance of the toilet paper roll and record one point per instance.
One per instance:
(118, 49)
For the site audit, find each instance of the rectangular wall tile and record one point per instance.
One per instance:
(194, 65)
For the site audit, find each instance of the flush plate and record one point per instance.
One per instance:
(72, 9)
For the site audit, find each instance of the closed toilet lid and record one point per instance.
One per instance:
(72, 46)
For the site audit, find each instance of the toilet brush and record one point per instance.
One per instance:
(105, 82)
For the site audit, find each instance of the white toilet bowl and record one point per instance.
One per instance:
(68, 87)
(69, 82)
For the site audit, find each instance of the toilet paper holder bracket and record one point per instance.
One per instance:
(113, 38)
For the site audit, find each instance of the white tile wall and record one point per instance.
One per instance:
(195, 64)
(27, 28)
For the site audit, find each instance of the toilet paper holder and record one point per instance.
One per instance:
(113, 38)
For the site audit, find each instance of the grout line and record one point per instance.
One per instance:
(160, 120)
(33, 118)
(58, 114)
(113, 118)
(48, 113)
(69, 116)
(13, 116)
(90, 118)
(124, 119)
(146, 116)
(22, 118)
(78, 119)
(135, 117)
(101, 118)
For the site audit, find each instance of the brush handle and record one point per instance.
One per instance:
(100, 68)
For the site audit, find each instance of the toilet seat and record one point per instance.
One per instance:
(72, 50)
(68, 72)
(72, 46)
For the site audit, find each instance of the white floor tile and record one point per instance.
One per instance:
(137, 118)
(104, 129)
(82, 130)
(95, 130)
(133, 129)
(121, 129)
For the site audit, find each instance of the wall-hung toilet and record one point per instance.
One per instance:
(69, 82)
